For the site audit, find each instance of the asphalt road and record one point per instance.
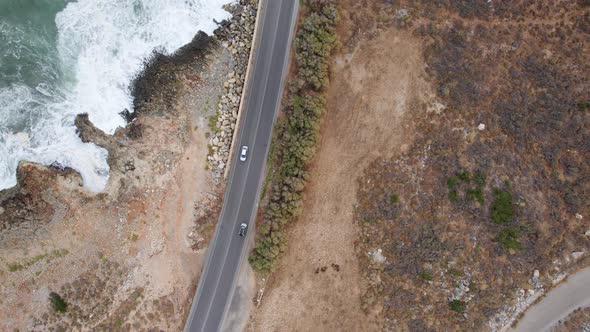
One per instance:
(557, 304)
(228, 250)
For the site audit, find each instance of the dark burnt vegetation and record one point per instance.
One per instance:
(158, 83)
(521, 69)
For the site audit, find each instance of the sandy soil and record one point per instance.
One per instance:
(121, 259)
(318, 284)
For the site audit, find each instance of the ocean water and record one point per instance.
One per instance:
(59, 58)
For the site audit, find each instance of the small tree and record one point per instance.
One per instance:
(501, 209)
(508, 238)
(57, 302)
(457, 306)
(394, 199)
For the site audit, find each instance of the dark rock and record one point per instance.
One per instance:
(128, 116)
(135, 130)
(88, 133)
(156, 80)
(129, 166)
(57, 165)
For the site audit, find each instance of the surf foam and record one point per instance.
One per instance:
(101, 47)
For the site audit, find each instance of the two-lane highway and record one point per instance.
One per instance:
(228, 250)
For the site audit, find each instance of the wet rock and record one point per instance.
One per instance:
(128, 116)
(57, 165)
(89, 133)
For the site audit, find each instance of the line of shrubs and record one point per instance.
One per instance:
(297, 132)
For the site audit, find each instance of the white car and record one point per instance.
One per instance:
(242, 230)
(243, 153)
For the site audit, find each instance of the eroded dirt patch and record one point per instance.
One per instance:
(319, 282)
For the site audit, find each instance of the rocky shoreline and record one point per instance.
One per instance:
(236, 35)
(158, 207)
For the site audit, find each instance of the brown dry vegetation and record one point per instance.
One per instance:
(409, 88)
(521, 69)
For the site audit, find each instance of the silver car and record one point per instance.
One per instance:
(243, 153)
(243, 227)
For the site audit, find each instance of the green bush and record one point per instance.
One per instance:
(457, 306)
(298, 132)
(471, 194)
(13, 267)
(502, 210)
(57, 303)
(453, 196)
(508, 238)
(315, 41)
(456, 273)
(464, 176)
(452, 182)
(394, 199)
(475, 194)
(426, 275)
(479, 178)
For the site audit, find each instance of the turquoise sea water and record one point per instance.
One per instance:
(59, 58)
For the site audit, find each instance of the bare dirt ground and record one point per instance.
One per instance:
(122, 259)
(318, 284)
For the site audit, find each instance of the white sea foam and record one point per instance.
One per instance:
(102, 46)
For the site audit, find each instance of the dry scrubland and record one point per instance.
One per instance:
(456, 140)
